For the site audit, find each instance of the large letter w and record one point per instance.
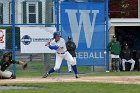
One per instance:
(83, 20)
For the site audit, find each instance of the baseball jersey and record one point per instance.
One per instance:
(5, 65)
(71, 48)
(61, 44)
(115, 47)
(126, 54)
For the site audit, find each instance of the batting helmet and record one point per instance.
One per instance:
(9, 54)
(125, 44)
(56, 34)
(69, 38)
(114, 36)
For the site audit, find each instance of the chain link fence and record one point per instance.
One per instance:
(42, 13)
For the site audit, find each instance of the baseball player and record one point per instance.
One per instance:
(127, 56)
(59, 45)
(5, 62)
(71, 49)
(115, 49)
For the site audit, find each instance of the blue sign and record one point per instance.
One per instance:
(85, 23)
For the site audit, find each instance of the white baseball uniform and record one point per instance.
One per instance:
(61, 53)
(6, 74)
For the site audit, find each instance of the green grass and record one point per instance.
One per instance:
(36, 69)
(75, 88)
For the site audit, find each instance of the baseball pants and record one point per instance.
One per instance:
(69, 65)
(130, 61)
(59, 57)
(6, 74)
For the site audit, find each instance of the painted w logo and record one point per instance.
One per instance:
(84, 21)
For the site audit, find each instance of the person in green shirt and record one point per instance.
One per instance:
(115, 49)
(5, 62)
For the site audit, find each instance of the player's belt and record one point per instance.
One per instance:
(61, 53)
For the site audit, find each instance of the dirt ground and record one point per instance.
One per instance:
(102, 79)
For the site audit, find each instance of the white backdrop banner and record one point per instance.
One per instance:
(2, 38)
(33, 39)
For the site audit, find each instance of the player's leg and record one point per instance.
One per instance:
(7, 75)
(123, 64)
(117, 64)
(58, 62)
(0, 74)
(69, 58)
(75, 64)
(133, 64)
(112, 62)
(69, 66)
(75, 60)
(13, 76)
(113, 65)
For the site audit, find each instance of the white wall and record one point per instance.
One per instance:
(18, 10)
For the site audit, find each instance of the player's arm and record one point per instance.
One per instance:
(73, 46)
(68, 47)
(49, 42)
(131, 54)
(122, 54)
(24, 64)
(21, 62)
(18, 62)
(109, 46)
(55, 47)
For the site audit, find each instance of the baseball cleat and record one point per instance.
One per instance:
(77, 76)
(13, 76)
(46, 75)
(70, 72)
